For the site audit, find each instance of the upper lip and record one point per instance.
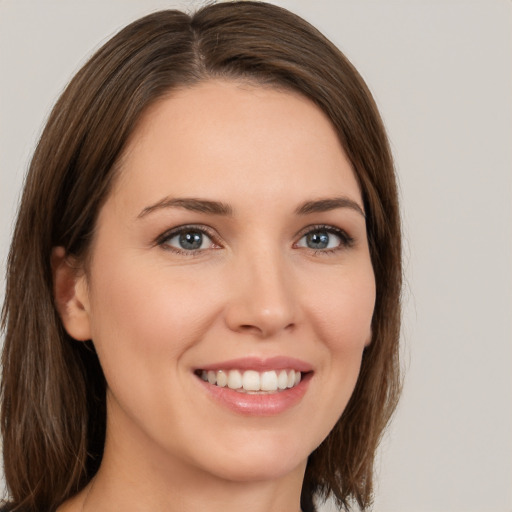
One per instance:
(260, 364)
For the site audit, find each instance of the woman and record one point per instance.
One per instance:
(202, 304)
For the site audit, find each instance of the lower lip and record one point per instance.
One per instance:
(255, 404)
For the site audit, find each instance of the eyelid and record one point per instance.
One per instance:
(172, 232)
(347, 241)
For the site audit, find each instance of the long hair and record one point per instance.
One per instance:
(53, 412)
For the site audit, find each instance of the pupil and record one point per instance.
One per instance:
(318, 240)
(191, 240)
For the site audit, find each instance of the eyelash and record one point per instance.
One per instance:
(346, 241)
(164, 238)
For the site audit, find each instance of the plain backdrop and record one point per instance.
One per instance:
(441, 72)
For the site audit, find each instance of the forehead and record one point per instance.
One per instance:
(220, 137)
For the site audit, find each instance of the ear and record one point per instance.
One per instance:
(71, 295)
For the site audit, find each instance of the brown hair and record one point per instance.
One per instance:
(53, 389)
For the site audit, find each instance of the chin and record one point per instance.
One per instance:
(260, 470)
(265, 459)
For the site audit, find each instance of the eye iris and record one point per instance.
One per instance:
(191, 240)
(317, 240)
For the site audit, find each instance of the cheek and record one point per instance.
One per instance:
(341, 312)
(343, 316)
(344, 311)
(141, 315)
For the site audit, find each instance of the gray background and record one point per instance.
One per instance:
(441, 72)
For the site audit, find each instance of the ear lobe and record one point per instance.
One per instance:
(70, 295)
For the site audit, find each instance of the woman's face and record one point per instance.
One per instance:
(233, 249)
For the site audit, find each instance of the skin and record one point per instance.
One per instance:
(256, 289)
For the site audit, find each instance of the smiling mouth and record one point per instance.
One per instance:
(252, 381)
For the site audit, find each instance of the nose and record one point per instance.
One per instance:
(263, 301)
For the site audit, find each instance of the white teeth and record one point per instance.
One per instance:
(253, 381)
(291, 379)
(234, 379)
(282, 379)
(268, 381)
(222, 379)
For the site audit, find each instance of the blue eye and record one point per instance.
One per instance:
(320, 239)
(187, 239)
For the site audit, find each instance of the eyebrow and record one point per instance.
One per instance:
(219, 208)
(192, 204)
(325, 205)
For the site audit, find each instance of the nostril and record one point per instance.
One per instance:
(263, 330)
(247, 327)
